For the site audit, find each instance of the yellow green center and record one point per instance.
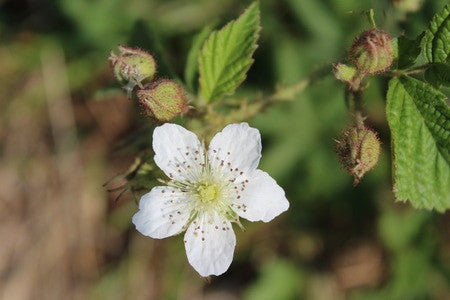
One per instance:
(207, 193)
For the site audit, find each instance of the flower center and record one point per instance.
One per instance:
(207, 192)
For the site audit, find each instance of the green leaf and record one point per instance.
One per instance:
(192, 60)
(436, 40)
(407, 51)
(419, 120)
(227, 55)
(438, 75)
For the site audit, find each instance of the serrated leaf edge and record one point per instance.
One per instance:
(429, 34)
(255, 37)
(394, 158)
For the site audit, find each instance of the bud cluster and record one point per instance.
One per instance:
(372, 52)
(161, 99)
(358, 150)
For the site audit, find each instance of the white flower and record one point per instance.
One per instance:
(207, 192)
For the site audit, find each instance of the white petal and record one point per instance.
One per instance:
(178, 152)
(235, 150)
(163, 212)
(210, 243)
(259, 198)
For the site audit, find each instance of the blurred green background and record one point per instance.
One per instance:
(64, 123)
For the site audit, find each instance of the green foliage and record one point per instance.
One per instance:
(420, 124)
(191, 69)
(407, 51)
(438, 74)
(227, 55)
(436, 42)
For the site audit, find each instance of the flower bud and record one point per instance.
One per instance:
(348, 75)
(358, 150)
(372, 52)
(132, 66)
(163, 100)
(343, 72)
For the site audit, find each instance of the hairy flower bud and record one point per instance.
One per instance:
(372, 52)
(132, 66)
(358, 150)
(163, 100)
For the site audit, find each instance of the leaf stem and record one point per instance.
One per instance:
(415, 70)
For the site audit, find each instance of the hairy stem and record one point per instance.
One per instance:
(415, 70)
